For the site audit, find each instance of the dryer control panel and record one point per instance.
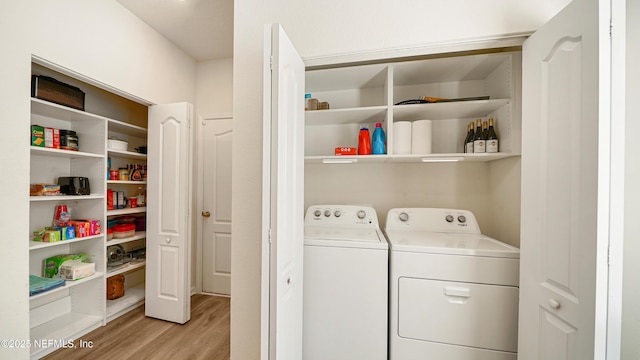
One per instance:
(433, 220)
(328, 215)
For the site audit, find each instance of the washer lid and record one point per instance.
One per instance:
(343, 233)
(452, 244)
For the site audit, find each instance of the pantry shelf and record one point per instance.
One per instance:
(68, 284)
(132, 266)
(133, 297)
(68, 326)
(126, 154)
(359, 115)
(136, 210)
(138, 235)
(69, 154)
(65, 197)
(126, 182)
(448, 110)
(122, 127)
(427, 158)
(34, 245)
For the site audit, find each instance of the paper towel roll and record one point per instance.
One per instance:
(402, 137)
(421, 137)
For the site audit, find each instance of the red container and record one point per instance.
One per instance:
(121, 231)
(364, 142)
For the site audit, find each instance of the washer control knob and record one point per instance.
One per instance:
(337, 213)
(403, 216)
(361, 214)
(317, 213)
(462, 218)
(327, 213)
(449, 218)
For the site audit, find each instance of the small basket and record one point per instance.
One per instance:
(114, 144)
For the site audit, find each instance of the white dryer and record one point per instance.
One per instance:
(345, 284)
(453, 291)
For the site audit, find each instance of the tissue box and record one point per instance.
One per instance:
(52, 264)
(76, 269)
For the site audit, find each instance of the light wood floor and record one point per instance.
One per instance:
(134, 336)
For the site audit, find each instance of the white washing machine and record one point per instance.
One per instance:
(453, 291)
(345, 284)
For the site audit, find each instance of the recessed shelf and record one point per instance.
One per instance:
(126, 182)
(427, 158)
(448, 110)
(65, 197)
(358, 115)
(68, 284)
(133, 297)
(126, 154)
(132, 266)
(69, 154)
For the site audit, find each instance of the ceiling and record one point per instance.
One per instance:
(201, 28)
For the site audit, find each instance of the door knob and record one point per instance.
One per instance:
(555, 304)
(206, 214)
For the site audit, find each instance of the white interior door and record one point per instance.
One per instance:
(560, 186)
(283, 195)
(216, 210)
(168, 267)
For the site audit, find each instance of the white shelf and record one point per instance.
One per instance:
(68, 284)
(132, 266)
(68, 326)
(122, 127)
(370, 114)
(33, 245)
(127, 154)
(133, 297)
(49, 109)
(126, 182)
(69, 154)
(447, 110)
(428, 158)
(136, 210)
(65, 197)
(138, 235)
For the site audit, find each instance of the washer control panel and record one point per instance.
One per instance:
(433, 220)
(327, 215)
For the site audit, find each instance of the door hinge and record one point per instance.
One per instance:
(610, 27)
(269, 235)
(271, 62)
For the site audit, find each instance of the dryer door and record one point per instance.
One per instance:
(467, 314)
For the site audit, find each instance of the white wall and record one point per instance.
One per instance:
(630, 349)
(99, 39)
(321, 29)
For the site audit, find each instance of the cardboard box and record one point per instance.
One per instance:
(52, 264)
(52, 138)
(346, 151)
(75, 270)
(37, 135)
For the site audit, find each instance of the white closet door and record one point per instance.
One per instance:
(283, 206)
(561, 224)
(168, 213)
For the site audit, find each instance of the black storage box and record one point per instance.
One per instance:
(50, 89)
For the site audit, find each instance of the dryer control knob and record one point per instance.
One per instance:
(337, 213)
(462, 218)
(327, 213)
(449, 218)
(403, 216)
(361, 214)
(317, 213)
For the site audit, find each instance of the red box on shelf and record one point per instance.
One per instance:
(346, 151)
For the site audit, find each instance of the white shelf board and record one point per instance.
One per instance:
(135, 210)
(126, 182)
(138, 235)
(60, 112)
(68, 284)
(126, 128)
(33, 245)
(346, 116)
(447, 110)
(133, 297)
(65, 197)
(68, 326)
(427, 158)
(128, 268)
(69, 154)
(126, 154)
